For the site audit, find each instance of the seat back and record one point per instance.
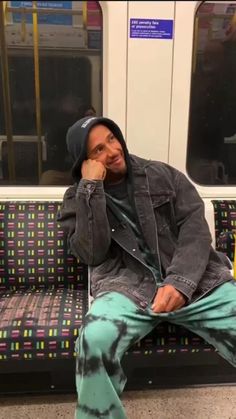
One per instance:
(225, 229)
(33, 248)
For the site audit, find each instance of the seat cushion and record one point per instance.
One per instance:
(40, 323)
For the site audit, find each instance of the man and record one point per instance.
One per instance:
(140, 226)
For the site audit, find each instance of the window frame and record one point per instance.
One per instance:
(114, 58)
(180, 104)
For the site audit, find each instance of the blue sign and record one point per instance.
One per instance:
(151, 28)
(52, 19)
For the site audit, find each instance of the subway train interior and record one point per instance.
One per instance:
(165, 72)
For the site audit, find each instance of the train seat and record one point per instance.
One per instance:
(43, 300)
(43, 290)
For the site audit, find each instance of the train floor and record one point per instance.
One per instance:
(185, 403)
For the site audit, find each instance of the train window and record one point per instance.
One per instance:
(50, 76)
(211, 155)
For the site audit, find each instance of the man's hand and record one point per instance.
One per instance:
(167, 299)
(93, 170)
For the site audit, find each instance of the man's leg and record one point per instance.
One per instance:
(112, 324)
(214, 318)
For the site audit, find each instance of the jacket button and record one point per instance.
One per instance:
(134, 250)
(113, 229)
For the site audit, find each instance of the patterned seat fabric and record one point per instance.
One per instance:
(43, 289)
(169, 339)
(44, 295)
(225, 226)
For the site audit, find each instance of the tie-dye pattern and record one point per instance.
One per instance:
(114, 323)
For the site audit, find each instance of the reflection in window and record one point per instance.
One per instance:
(212, 127)
(69, 56)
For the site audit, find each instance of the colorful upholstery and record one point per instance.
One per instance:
(43, 299)
(43, 292)
(43, 289)
(170, 339)
(33, 251)
(225, 226)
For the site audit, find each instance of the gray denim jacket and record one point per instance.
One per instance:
(171, 216)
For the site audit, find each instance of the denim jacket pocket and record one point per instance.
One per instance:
(165, 215)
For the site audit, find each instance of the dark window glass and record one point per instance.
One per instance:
(69, 85)
(211, 156)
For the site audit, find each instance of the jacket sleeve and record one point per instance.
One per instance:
(191, 256)
(83, 216)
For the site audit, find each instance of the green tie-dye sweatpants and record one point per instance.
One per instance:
(114, 322)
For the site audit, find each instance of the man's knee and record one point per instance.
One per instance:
(98, 335)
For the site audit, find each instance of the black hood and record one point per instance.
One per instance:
(77, 137)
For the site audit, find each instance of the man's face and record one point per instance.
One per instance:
(104, 147)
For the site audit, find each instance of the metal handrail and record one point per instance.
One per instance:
(37, 87)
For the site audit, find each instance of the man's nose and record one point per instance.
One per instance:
(111, 150)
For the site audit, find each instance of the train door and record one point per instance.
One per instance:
(60, 61)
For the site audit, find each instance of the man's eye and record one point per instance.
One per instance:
(111, 137)
(99, 150)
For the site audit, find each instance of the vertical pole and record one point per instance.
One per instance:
(37, 87)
